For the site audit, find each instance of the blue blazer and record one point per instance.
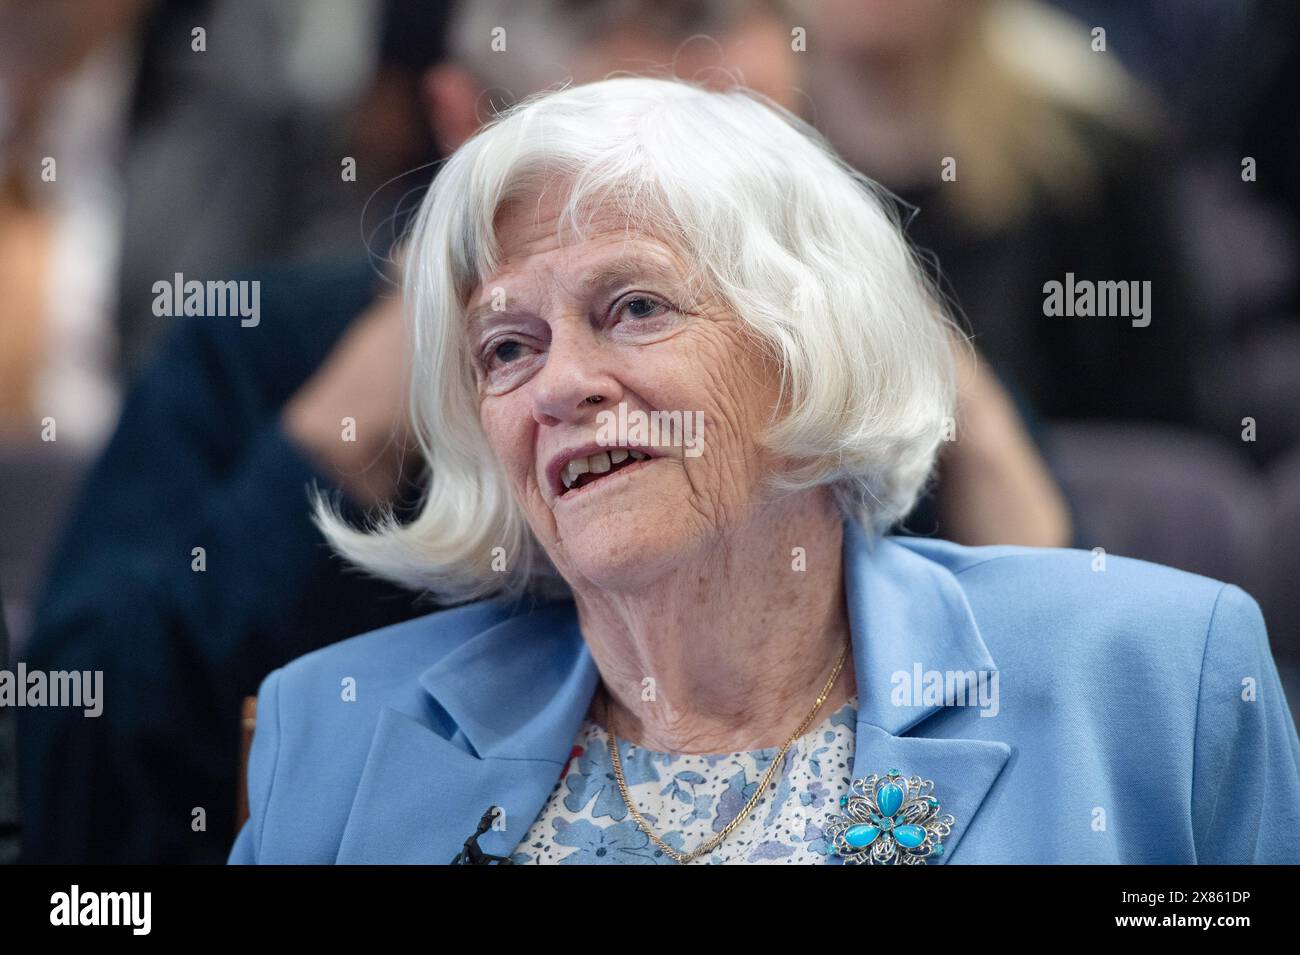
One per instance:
(1138, 716)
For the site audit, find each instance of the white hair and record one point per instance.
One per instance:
(799, 245)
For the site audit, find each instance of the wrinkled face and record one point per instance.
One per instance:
(585, 351)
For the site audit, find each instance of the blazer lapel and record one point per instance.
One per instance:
(908, 615)
(963, 771)
(515, 695)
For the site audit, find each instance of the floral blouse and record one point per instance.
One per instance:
(687, 799)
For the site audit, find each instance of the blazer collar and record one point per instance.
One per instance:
(906, 612)
(506, 706)
(516, 685)
(514, 696)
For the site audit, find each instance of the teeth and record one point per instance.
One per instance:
(576, 468)
(599, 463)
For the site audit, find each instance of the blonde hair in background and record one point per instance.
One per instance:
(1016, 87)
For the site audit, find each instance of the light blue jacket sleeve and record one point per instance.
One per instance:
(1246, 771)
(261, 772)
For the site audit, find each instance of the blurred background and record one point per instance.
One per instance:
(287, 141)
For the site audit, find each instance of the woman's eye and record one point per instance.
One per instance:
(504, 352)
(507, 351)
(640, 307)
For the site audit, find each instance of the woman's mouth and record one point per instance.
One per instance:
(582, 471)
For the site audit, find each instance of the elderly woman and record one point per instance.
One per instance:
(675, 371)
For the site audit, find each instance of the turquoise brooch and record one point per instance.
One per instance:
(889, 820)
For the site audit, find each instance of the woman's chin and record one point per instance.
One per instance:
(620, 561)
(625, 534)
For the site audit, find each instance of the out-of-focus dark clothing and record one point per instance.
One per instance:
(1078, 367)
(199, 460)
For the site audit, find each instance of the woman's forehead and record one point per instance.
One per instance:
(534, 239)
(536, 223)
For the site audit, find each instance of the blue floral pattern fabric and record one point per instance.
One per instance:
(687, 799)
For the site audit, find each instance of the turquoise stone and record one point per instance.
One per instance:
(889, 798)
(844, 800)
(909, 837)
(936, 851)
(861, 835)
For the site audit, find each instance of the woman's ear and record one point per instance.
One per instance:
(450, 94)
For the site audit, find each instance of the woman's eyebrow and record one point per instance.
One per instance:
(603, 277)
(627, 270)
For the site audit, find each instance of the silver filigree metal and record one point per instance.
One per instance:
(889, 820)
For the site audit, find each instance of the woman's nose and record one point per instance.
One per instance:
(577, 379)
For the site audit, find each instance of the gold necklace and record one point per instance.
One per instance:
(684, 857)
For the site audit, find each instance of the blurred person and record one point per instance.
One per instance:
(645, 676)
(116, 172)
(388, 131)
(228, 428)
(1226, 73)
(67, 71)
(275, 78)
(66, 74)
(108, 115)
(1055, 165)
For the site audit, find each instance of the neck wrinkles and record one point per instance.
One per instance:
(729, 651)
